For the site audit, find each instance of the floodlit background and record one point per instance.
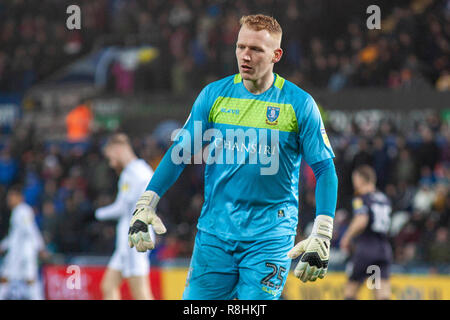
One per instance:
(137, 66)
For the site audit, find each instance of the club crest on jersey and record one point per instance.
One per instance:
(272, 114)
(357, 203)
(125, 187)
(325, 137)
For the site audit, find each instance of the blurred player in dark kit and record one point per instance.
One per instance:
(367, 236)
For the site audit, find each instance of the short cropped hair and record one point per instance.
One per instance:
(259, 22)
(16, 189)
(118, 139)
(367, 173)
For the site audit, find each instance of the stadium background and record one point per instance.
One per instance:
(137, 66)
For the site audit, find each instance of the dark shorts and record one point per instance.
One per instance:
(370, 258)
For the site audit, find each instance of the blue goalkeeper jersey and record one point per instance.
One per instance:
(252, 146)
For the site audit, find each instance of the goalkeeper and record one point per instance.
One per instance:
(246, 230)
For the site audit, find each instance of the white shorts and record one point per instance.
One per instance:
(20, 267)
(130, 262)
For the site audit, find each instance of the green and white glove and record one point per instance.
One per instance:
(144, 215)
(316, 251)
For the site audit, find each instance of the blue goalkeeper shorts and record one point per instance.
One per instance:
(246, 270)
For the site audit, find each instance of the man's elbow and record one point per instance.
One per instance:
(361, 221)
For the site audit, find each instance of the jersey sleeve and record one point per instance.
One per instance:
(314, 143)
(326, 187)
(359, 207)
(4, 244)
(187, 142)
(38, 239)
(24, 223)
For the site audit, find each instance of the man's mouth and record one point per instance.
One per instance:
(245, 67)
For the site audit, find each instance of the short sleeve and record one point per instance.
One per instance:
(359, 207)
(130, 188)
(125, 188)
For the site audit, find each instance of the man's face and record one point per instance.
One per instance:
(358, 182)
(13, 199)
(112, 153)
(256, 53)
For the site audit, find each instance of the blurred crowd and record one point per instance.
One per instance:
(196, 40)
(413, 169)
(64, 182)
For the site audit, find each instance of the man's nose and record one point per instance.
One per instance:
(245, 54)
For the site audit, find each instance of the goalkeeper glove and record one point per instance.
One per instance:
(144, 215)
(316, 251)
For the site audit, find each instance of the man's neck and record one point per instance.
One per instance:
(260, 85)
(15, 205)
(366, 189)
(128, 160)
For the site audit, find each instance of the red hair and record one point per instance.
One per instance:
(259, 22)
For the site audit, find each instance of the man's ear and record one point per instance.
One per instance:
(277, 54)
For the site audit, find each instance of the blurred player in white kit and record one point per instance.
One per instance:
(125, 263)
(19, 277)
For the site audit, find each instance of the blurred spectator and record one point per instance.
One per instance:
(50, 226)
(405, 169)
(428, 152)
(79, 122)
(8, 167)
(363, 155)
(439, 252)
(443, 83)
(381, 162)
(424, 198)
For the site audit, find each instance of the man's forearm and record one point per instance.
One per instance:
(326, 187)
(111, 212)
(355, 228)
(4, 243)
